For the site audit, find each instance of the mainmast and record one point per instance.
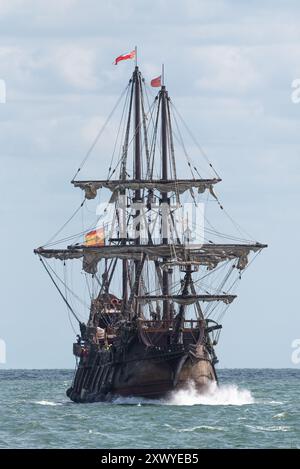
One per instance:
(137, 169)
(137, 130)
(164, 196)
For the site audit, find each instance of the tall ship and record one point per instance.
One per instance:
(159, 275)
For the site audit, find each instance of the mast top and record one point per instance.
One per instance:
(135, 50)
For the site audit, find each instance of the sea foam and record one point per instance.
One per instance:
(225, 394)
(50, 403)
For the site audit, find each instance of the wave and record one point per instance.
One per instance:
(96, 433)
(268, 402)
(281, 415)
(226, 394)
(279, 428)
(193, 429)
(50, 403)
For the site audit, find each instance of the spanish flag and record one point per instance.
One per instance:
(95, 238)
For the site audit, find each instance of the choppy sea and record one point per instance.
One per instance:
(251, 408)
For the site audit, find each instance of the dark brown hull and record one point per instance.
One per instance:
(145, 373)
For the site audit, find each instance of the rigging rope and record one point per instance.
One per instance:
(123, 171)
(65, 224)
(66, 296)
(60, 292)
(100, 132)
(120, 160)
(195, 140)
(145, 130)
(64, 283)
(172, 152)
(181, 142)
(118, 132)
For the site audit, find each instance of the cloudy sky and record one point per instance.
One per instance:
(229, 67)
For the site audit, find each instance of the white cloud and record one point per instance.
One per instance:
(225, 68)
(76, 65)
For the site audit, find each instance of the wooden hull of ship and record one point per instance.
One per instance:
(142, 372)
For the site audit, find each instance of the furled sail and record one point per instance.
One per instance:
(187, 299)
(209, 255)
(177, 185)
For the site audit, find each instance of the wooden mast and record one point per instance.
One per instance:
(137, 168)
(164, 195)
(124, 202)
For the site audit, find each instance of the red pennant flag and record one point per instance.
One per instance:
(130, 55)
(156, 82)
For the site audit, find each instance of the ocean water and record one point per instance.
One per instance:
(250, 409)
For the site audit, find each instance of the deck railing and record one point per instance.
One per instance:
(168, 324)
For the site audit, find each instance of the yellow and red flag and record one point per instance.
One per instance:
(95, 238)
(129, 55)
